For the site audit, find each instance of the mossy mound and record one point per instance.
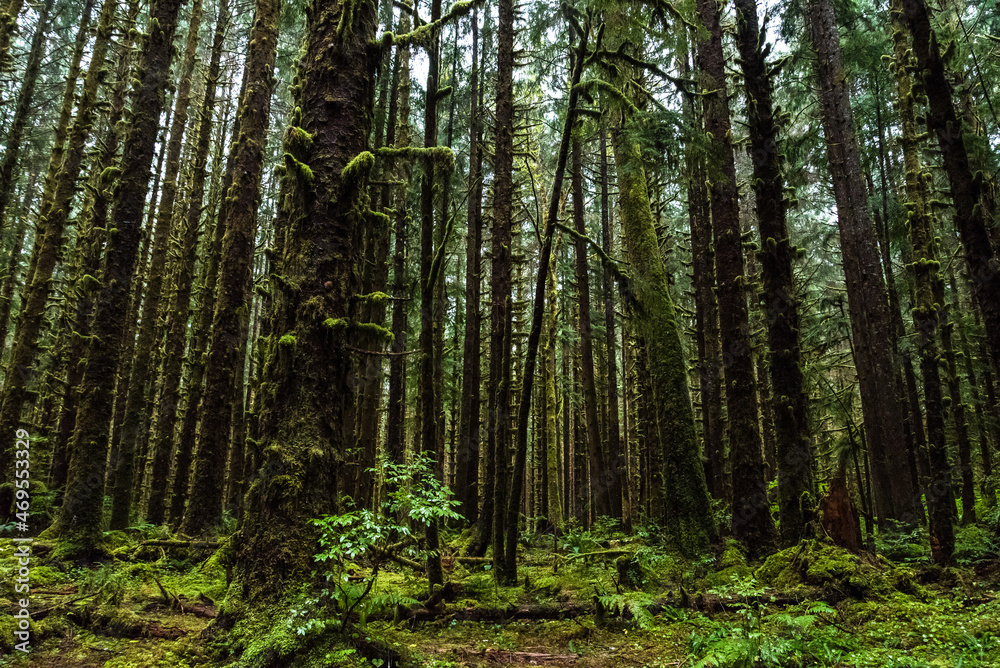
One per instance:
(837, 572)
(732, 566)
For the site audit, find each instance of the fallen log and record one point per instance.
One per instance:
(703, 602)
(194, 544)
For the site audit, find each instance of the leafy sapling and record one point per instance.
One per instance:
(413, 493)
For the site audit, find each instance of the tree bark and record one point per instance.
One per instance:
(306, 388)
(796, 490)
(866, 294)
(223, 369)
(81, 512)
(752, 523)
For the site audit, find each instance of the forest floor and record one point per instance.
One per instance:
(586, 599)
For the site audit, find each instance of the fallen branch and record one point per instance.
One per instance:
(44, 612)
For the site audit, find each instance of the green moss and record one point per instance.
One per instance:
(335, 323)
(374, 297)
(288, 340)
(834, 570)
(294, 166)
(358, 167)
(375, 331)
(442, 156)
(732, 566)
(298, 140)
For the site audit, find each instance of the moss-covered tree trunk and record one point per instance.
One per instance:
(223, 369)
(166, 408)
(927, 310)
(796, 491)
(498, 427)
(135, 427)
(966, 187)
(396, 408)
(680, 482)
(600, 497)
(306, 387)
(23, 109)
(752, 523)
(866, 294)
(80, 518)
(467, 455)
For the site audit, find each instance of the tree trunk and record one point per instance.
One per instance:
(223, 370)
(428, 352)
(396, 409)
(869, 311)
(796, 490)
(927, 310)
(81, 512)
(686, 508)
(467, 472)
(499, 385)
(306, 385)
(752, 523)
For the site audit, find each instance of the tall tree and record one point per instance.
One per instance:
(306, 385)
(752, 523)
(429, 275)
(467, 472)
(81, 513)
(869, 311)
(499, 385)
(223, 368)
(781, 311)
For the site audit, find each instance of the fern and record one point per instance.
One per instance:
(635, 604)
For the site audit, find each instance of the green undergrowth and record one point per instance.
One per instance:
(601, 597)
